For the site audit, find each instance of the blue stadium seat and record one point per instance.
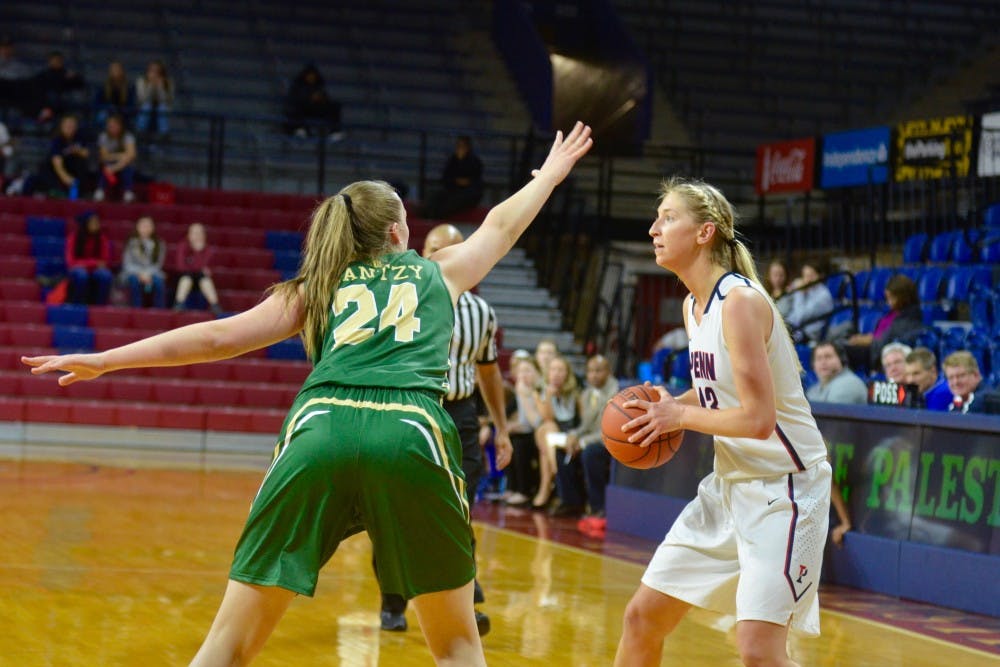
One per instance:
(47, 246)
(875, 291)
(70, 314)
(42, 226)
(805, 354)
(54, 265)
(981, 309)
(991, 250)
(991, 217)
(861, 282)
(964, 280)
(940, 247)
(837, 285)
(72, 338)
(964, 249)
(278, 241)
(915, 249)
(929, 285)
(285, 260)
(911, 272)
(838, 317)
(288, 349)
(932, 313)
(680, 370)
(929, 338)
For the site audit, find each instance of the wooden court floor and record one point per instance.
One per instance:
(107, 565)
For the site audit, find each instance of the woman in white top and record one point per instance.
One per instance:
(751, 543)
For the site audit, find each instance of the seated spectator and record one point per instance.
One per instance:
(142, 264)
(903, 322)
(545, 351)
(559, 406)
(115, 95)
(88, 260)
(776, 282)
(308, 108)
(16, 90)
(961, 370)
(194, 257)
(461, 185)
(117, 152)
(837, 383)
(54, 87)
(921, 370)
(524, 419)
(811, 303)
(894, 362)
(154, 94)
(586, 440)
(65, 168)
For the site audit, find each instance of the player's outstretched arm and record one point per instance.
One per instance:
(269, 322)
(465, 264)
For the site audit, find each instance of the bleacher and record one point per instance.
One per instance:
(256, 238)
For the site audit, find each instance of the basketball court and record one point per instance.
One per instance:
(111, 559)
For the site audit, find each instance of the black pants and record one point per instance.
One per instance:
(463, 413)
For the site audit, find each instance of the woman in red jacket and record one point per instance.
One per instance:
(88, 256)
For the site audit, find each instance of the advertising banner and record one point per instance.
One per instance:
(989, 145)
(858, 157)
(933, 148)
(787, 166)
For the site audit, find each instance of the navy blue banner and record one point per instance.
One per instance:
(857, 157)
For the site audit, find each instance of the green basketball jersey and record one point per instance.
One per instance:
(390, 326)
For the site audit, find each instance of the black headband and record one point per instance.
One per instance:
(349, 206)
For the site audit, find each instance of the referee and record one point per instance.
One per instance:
(473, 356)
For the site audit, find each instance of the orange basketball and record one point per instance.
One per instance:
(616, 440)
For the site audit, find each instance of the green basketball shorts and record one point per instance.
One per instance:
(350, 459)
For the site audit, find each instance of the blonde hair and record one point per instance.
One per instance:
(961, 359)
(570, 386)
(351, 226)
(708, 204)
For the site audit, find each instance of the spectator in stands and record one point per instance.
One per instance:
(894, 361)
(11, 68)
(586, 440)
(811, 302)
(921, 370)
(142, 264)
(545, 351)
(837, 383)
(15, 85)
(194, 257)
(88, 260)
(461, 185)
(115, 95)
(117, 152)
(961, 370)
(154, 94)
(66, 167)
(776, 283)
(560, 410)
(523, 420)
(54, 87)
(903, 322)
(309, 109)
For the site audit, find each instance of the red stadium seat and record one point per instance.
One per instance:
(239, 300)
(105, 339)
(12, 224)
(259, 280)
(192, 196)
(11, 409)
(174, 391)
(26, 335)
(258, 396)
(99, 413)
(11, 205)
(17, 267)
(19, 289)
(109, 317)
(152, 319)
(167, 373)
(229, 419)
(223, 394)
(48, 410)
(249, 371)
(23, 312)
(219, 371)
(142, 415)
(177, 416)
(227, 278)
(186, 317)
(267, 421)
(95, 390)
(228, 198)
(19, 244)
(124, 388)
(237, 238)
(40, 386)
(292, 372)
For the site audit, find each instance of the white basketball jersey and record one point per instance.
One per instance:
(796, 443)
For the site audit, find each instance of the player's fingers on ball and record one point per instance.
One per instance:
(662, 392)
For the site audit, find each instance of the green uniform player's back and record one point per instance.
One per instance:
(390, 326)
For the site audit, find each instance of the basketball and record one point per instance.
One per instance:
(616, 440)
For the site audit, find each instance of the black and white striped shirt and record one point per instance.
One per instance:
(473, 342)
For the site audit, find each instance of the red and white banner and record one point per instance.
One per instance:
(787, 166)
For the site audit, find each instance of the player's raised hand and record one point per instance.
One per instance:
(75, 366)
(565, 152)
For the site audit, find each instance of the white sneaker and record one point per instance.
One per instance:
(98, 195)
(128, 196)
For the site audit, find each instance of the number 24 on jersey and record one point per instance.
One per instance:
(399, 313)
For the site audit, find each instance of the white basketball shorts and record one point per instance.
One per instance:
(753, 548)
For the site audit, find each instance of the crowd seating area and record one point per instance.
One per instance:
(257, 239)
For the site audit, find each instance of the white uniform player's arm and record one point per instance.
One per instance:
(267, 323)
(746, 324)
